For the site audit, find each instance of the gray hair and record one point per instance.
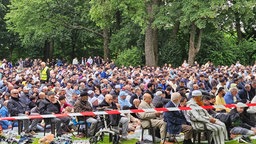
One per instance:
(233, 89)
(175, 96)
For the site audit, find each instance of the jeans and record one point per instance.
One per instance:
(241, 131)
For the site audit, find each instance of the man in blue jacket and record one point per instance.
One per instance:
(231, 97)
(176, 121)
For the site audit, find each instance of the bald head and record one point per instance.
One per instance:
(43, 64)
(147, 98)
(176, 97)
(109, 98)
(41, 95)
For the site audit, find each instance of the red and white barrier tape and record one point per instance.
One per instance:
(116, 112)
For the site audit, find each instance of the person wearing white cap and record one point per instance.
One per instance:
(122, 99)
(159, 99)
(241, 125)
(200, 117)
(116, 91)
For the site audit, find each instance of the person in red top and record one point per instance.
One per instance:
(63, 104)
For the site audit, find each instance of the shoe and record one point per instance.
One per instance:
(244, 139)
(124, 138)
(187, 141)
(28, 134)
(33, 132)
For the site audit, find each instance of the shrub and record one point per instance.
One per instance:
(129, 57)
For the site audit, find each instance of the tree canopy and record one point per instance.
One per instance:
(158, 31)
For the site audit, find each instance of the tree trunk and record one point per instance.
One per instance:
(51, 49)
(175, 31)
(151, 42)
(47, 45)
(238, 29)
(193, 46)
(106, 43)
(155, 44)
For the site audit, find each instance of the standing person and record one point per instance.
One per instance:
(45, 73)
(200, 117)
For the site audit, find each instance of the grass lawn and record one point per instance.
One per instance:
(132, 141)
(105, 140)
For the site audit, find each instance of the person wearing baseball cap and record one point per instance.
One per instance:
(241, 125)
(200, 117)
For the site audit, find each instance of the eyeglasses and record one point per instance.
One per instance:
(15, 93)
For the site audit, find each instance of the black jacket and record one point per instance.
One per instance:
(15, 107)
(46, 107)
(244, 95)
(113, 119)
(240, 120)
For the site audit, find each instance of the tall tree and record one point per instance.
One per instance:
(41, 23)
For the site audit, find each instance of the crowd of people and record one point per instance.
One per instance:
(34, 87)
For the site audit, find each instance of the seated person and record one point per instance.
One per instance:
(133, 122)
(4, 113)
(159, 98)
(50, 105)
(146, 103)
(82, 105)
(63, 103)
(244, 94)
(115, 119)
(200, 117)
(207, 102)
(176, 121)
(239, 124)
(122, 99)
(220, 100)
(231, 97)
(135, 105)
(17, 108)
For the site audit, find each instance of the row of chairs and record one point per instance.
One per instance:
(51, 125)
(196, 134)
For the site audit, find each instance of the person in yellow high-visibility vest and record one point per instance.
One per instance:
(45, 73)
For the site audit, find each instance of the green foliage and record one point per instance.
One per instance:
(64, 23)
(222, 49)
(128, 36)
(173, 51)
(129, 57)
(75, 29)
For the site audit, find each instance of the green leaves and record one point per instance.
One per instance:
(129, 57)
